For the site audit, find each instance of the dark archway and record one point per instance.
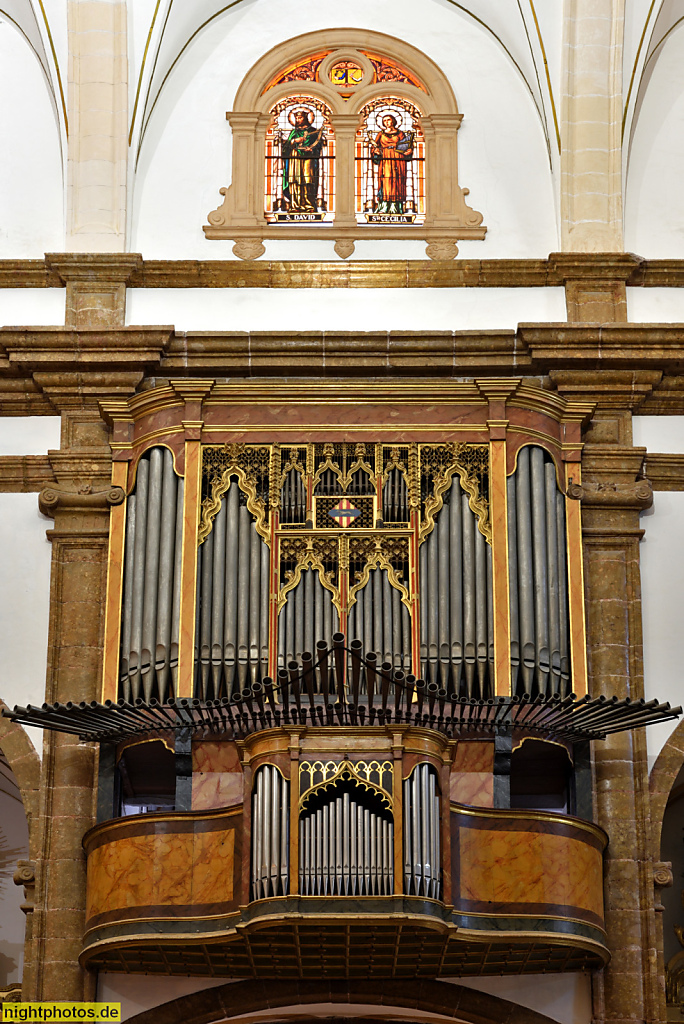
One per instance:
(424, 996)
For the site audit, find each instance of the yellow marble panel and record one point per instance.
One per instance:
(216, 789)
(473, 788)
(176, 869)
(215, 757)
(530, 867)
(474, 756)
(212, 867)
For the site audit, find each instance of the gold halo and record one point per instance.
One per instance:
(306, 110)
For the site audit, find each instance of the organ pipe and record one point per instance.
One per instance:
(381, 622)
(346, 847)
(539, 607)
(456, 605)
(422, 857)
(232, 611)
(307, 617)
(270, 834)
(151, 596)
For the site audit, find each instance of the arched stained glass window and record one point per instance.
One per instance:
(390, 164)
(300, 160)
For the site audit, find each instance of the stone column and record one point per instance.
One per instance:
(98, 125)
(591, 116)
(612, 495)
(79, 502)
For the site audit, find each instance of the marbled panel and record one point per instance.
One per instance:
(473, 788)
(529, 867)
(162, 869)
(216, 789)
(213, 867)
(215, 757)
(474, 757)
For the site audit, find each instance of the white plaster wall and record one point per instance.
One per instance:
(31, 307)
(655, 305)
(185, 155)
(29, 435)
(663, 434)
(138, 992)
(342, 309)
(25, 555)
(31, 186)
(662, 589)
(13, 847)
(562, 997)
(662, 579)
(654, 198)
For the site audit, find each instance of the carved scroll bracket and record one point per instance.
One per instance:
(53, 498)
(612, 495)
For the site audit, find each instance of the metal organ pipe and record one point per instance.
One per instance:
(270, 834)
(456, 612)
(232, 613)
(422, 852)
(381, 622)
(538, 576)
(308, 608)
(346, 848)
(151, 597)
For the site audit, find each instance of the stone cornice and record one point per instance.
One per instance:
(665, 472)
(45, 369)
(25, 473)
(57, 268)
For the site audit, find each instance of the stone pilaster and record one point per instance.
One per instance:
(79, 502)
(591, 123)
(613, 493)
(95, 286)
(98, 125)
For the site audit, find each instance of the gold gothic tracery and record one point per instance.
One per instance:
(376, 776)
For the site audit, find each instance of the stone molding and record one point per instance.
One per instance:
(95, 286)
(466, 273)
(24, 473)
(665, 472)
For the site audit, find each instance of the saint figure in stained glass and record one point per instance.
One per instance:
(390, 164)
(390, 150)
(299, 162)
(301, 156)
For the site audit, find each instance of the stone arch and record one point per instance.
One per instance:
(436, 998)
(663, 774)
(25, 763)
(439, 98)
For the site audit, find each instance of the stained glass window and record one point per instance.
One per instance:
(390, 164)
(346, 73)
(300, 162)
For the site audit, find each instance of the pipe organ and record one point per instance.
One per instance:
(152, 580)
(346, 831)
(390, 546)
(422, 856)
(538, 576)
(270, 834)
(339, 611)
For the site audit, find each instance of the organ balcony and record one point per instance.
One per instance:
(345, 720)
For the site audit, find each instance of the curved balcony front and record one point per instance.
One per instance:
(170, 893)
